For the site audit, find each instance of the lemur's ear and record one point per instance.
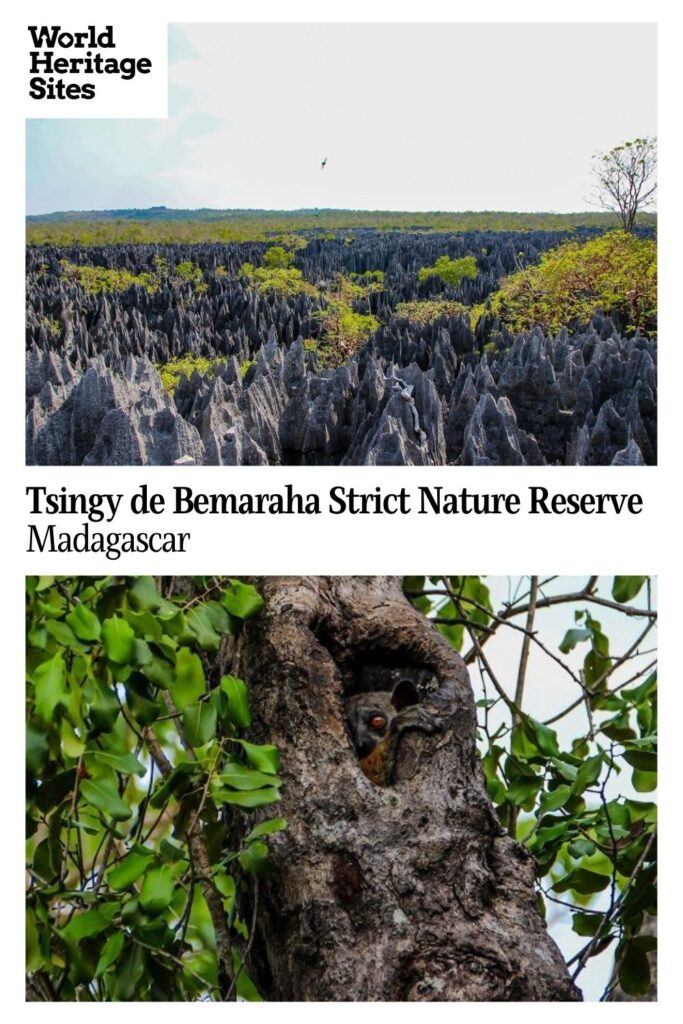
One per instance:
(405, 694)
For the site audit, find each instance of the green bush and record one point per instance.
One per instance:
(372, 280)
(276, 256)
(615, 274)
(450, 271)
(184, 366)
(187, 271)
(102, 279)
(423, 311)
(112, 279)
(285, 281)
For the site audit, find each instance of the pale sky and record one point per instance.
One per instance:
(410, 117)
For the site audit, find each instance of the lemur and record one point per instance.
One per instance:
(376, 721)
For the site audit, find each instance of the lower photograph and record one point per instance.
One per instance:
(341, 788)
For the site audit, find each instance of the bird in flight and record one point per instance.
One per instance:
(322, 166)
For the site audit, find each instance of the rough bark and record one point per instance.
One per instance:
(409, 892)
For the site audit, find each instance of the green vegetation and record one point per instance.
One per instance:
(187, 271)
(244, 366)
(615, 273)
(165, 226)
(372, 280)
(137, 774)
(343, 329)
(276, 274)
(105, 279)
(423, 311)
(51, 326)
(184, 366)
(450, 271)
(285, 281)
(595, 848)
(277, 257)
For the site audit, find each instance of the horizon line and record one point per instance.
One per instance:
(315, 209)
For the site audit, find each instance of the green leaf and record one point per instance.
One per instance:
(643, 782)
(587, 924)
(643, 760)
(189, 683)
(553, 800)
(522, 792)
(53, 791)
(199, 723)
(104, 796)
(110, 953)
(127, 871)
(118, 639)
(262, 756)
(564, 768)
(588, 773)
(143, 595)
(36, 748)
(129, 973)
(84, 623)
(581, 848)
(200, 623)
(225, 884)
(84, 926)
(72, 744)
(142, 654)
(238, 703)
(49, 685)
(266, 828)
(157, 889)
(583, 881)
(523, 744)
(546, 739)
(34, 954)
(573, 637)
(175, 781)
(241, 599)
(625, 588)
(254, 859)
(170, 853)
(144, 623)
(104, 707)
(634, 971)
(254, 798)
(64, 636)
(238, 777)
(160, 672)
(127, 764)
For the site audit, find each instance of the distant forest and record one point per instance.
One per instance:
(161, 224)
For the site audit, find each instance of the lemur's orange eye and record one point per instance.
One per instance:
(378, 722)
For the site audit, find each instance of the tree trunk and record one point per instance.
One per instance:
(404, 892)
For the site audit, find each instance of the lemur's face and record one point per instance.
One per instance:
(369, 715)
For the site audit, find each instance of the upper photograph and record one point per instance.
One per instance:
(405, 245)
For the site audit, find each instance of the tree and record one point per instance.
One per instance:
(167, 717)
(413, 893)
(625, 179)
